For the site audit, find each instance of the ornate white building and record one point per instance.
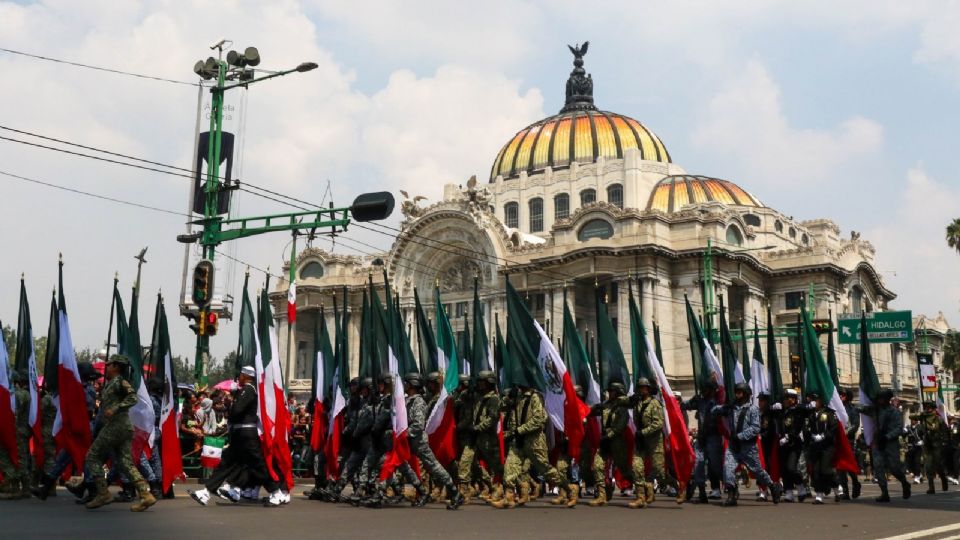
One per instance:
(588, 199)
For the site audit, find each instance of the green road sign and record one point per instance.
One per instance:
(882, 327)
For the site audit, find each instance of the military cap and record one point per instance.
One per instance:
(763, 395)
(87, 372)
(616, 387)
(813, 395)
(413, 379)
(366, 382)
(488, 376)
(248, 371)
(710, 385)
(354, 381)
(433, 377)
(790, 392)
(386, 378)
(643, 381)
(463, 378)
(119, 359)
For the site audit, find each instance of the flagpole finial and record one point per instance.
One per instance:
(248, 270)
(60, 259)
(116, 275)
(54, 291)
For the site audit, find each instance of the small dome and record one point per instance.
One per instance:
(674, 192)
(580, 132)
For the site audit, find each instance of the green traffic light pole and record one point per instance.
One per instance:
(216, 230)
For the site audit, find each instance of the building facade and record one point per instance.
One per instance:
(589, 203)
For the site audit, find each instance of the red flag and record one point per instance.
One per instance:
(843, 458)
(8, 426)
(318, 429)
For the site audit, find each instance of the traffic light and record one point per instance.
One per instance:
(203, 283)
(199, 321)
(210, 326)
(822, 326)
(372, 206)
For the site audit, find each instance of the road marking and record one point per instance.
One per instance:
(928, 532)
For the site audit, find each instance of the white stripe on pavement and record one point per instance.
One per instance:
(928, 532)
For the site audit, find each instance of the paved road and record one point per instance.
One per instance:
(183, 518)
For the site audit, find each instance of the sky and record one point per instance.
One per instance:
(840, 110)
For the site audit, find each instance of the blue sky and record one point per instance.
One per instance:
(821, 109)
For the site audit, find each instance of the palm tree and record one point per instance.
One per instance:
(951, 352)
(953, 235)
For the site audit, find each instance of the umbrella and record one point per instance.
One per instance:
(228, 385)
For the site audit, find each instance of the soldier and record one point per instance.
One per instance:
(743, 419)
(16, 474)
(819, 432)
(381, 440)
(934, 437)
(615, 417)
(885, 455)
(528, 442)
(913, 442)
(355, 436)
(116, 437)
(769, 437)
(648, 416)
(47, 486)
(793, 418)
(463, 405)
(708, 445)
(85, 490)
(853, 425)
(243, 458)
(574, 471)
(486, 417)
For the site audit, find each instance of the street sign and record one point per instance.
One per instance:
(882, 327)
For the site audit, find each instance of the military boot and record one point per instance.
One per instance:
(681, 496)
(906, 488)
(641, 499)
(573, 493)
(884, 495)
(146, 498)
(601, 499)
(456, 497)
(91, 492)
(423, 496)
(156, 489)
(496, 494)
(535, 491)
(102, 495)
(127, 493)
(702, 495)
(650, 492)
(466, 491)
(508, 501)
(561, 497)
(930, 490)
(944, 485)
(47, 484)
(731, 496)
(524, 494)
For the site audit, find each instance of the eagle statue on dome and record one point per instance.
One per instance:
(410, 207)
(578, 51)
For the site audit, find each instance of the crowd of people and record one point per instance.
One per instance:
(508, 453)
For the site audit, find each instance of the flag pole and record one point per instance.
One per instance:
(113, 305)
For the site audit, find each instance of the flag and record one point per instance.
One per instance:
(52, 356)
(141, 414)
(441, 426)
(25, 361)
(274, 415)
(71, 427)
(638, 352)
(832, 357)
(162, 357)
(656, 342)
(560, 398)
(613, 365)
(8, 424)
(500, 360)
(426, 340)
(576, 357)
(482, 356)
(400, 451)
(869, 383)
(365, 369)
(338, 390)
(706, 367)
(728, 353)
(466, 366)
(760, 381)
(211, 452)
(775, 381)
(323, 363)
(676, 437)
(745, 359)
(819, 381)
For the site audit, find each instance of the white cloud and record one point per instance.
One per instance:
(911, 248)
(745, 124)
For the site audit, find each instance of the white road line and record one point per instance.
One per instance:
(928, 532)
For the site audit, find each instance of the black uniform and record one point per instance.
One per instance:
(242, 462)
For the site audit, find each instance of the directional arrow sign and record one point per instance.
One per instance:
(882, 327)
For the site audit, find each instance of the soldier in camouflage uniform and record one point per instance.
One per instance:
(934, 438)
(885, 455)
(743, 422)
(353, 439)
(648, 417)
(381, 438)
(573, 471)
(16, 477)
(615, 417)
(420, 444)
(46, 486)
(708, 443)
(116, 437)
(528, 442)
(484, 444)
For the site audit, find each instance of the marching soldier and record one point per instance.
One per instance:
(486, 417)
(934, 437)
(615, 417)
(913, 442)
(648, 416)
(744, 423)
(356, 436)
(853, 425)
(116, 437)
(708, 443)
(885, 455)
(793, 417)
(16, 475)
(769, 437)
(819, 433)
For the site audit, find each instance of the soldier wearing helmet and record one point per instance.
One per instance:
(614, 416)
(885, 453)
(743, 420)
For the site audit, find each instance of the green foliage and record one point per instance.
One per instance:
(953, 235)
(951, 351)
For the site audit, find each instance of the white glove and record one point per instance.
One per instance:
(919, 443)
(817, 438)
(776, 407)
(812, 405)
(784, 441)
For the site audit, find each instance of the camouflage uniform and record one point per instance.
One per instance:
(49, 411)
(529, 442)
(648, 416)
(744, 423)
(486, 416)
(935, 437)
(115, 437)
(615, 415)
(16, 477)
(420, 443)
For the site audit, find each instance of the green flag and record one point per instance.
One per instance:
(818, 378)
(246, 341)
(613, 365)
(521, 335)
(832, 356)
(656, 343)
(480, 348)
(728, 355)
(51, 362)
(773, 362)
(638, 343)
(426, 339)
(745, 356)
(500, 361)
(446, 348)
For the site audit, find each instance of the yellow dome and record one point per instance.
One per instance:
(674, 192)
(580, 133)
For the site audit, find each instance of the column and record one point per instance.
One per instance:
(647, 292)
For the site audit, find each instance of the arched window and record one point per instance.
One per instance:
(536, 214)
(734, 237)
(805, 240)
(792, 232)
(856, 300)
(595, 228)
(752, 220)
(588, 196)
(778, 226)
(313, 269)
(615, 195)
(561, 206)
(511, 215)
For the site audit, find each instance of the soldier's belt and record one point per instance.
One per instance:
(243, 426)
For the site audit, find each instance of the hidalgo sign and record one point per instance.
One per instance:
(882, 327)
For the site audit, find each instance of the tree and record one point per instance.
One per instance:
(953, 235)
(951, 351)
(10, 339)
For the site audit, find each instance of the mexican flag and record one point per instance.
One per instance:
(759, 380)
(732, 373)
(773, 363)
(637, 346)
(71, 428)
(576, 357)
(26, 361)
(560, 399)
(869, 383)
(162, 358)
(400, 451)
(482, 354)
(706, 367)
(426, 340)
(141, 414)
(8, 425)
(441, 426)
(322, 365)
(819, 381)
(274, 416)
(211, 452)
(338, 388)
